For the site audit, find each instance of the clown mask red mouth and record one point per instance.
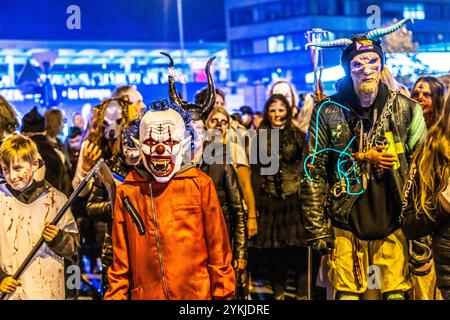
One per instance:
(161, 166)
(163, 144)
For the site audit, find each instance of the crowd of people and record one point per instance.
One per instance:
(196, 212)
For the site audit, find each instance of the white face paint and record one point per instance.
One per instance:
(112, 120)
(163, 142)
(284, 89)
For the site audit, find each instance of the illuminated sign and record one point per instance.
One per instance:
(83, 93)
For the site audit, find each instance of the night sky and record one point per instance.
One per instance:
(113, 20)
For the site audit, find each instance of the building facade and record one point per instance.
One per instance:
(266, 38)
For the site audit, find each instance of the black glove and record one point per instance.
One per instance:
(323, 246)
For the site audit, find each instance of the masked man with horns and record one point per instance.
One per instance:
(359, 148)
(169, 235)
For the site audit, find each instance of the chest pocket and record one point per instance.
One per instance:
(134, 215)
(187, 219)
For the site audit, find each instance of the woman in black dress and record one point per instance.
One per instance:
(280, 242)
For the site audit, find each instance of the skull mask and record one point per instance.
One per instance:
(163, 143)
(112, 120)
(365, 71)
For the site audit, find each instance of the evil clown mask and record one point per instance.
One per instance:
(163, 143)
(365, 70)
(112, 120)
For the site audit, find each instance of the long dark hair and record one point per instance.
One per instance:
(273, 98)
(439, 92)
(8, 118)
(432, 160)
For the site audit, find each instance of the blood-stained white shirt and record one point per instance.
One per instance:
(21, 226)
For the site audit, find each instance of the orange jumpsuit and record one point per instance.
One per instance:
(172, 242)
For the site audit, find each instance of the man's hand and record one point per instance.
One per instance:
(90, 154)
(9, 285)
(323, 246)
(50, 232)
(375, 156)
(239, 264)
(252, 227)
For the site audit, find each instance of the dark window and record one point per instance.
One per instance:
(432, 11)
(339, 7)
(242, 48)
(313, 7)
(240, 16)
(351, 8)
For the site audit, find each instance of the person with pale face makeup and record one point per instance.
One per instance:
(28, 207)
(287, 89)
(360, 144)
(220, 120)
(281, 236)
(134, 96)
(106, 124)
(225, 178)
(430, 92)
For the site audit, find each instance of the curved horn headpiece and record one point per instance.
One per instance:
(173, 93)
(330, 44)
(376, 34)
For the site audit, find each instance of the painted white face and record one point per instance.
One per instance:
(112, 120)
(365, 70)
(284, 89)
(137, 99)
(163, 142)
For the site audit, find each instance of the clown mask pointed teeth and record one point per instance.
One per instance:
(161, 166)
(162, 136)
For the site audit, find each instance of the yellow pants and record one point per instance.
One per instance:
(357, 265)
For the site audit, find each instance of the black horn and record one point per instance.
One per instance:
(173, 93)
(208, 104)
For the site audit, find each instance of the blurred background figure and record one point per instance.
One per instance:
(54, 124)
(8, 118)
(78, 120)
(237, 117)
(257, 119)
(134, 96)
(73, 145)
(247, 117)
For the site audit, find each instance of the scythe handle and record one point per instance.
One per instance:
(58, 217)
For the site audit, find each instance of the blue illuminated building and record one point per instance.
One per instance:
(267, 37)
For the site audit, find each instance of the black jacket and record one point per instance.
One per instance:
(416, 225)
(226, 182)
(99, 205)
(332, 126)
(55, 170)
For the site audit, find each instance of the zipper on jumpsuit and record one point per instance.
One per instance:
(158, 244)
